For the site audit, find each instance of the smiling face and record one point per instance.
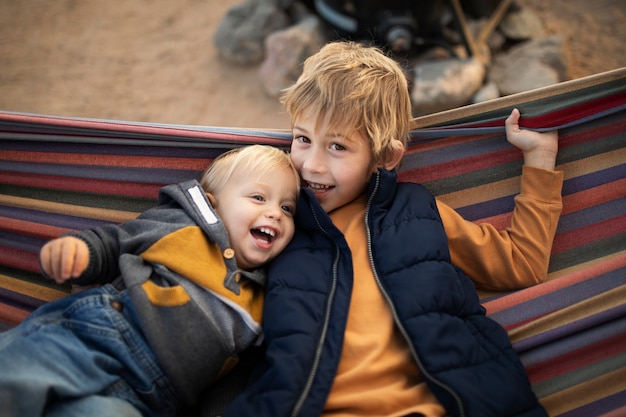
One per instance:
(350, 111)
(257, 211)
(336, 166)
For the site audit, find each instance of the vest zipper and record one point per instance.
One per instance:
(318, 350)
(396, 319)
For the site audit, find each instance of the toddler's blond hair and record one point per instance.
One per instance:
(256, 159)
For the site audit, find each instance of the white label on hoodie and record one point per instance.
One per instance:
(199, 198)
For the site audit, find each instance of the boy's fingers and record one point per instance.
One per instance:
(81, 260)
(64, 258)
(511, 122)
(59, 261)
(44, 259)
(52, 264)
(69, 253)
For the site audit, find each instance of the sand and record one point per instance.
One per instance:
(154, 60)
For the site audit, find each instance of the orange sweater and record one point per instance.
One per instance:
(376, 374)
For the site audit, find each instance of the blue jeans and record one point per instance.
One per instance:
(83, 355)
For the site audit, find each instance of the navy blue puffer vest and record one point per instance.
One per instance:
(465, 357)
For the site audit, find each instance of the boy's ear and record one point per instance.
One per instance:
(394, 156)
(212, 199)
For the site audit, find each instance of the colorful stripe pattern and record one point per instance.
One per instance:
(570, 331)
(59, 174)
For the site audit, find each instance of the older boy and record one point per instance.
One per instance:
(183, 296)
(382, 321)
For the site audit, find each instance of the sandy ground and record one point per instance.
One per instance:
(154, 60)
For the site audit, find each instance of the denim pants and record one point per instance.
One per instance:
(83, 355)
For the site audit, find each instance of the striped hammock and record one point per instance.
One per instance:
(59, 174)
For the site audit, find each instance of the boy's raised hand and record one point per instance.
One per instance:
(64, 258)
(540, 149)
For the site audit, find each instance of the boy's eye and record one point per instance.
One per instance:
(302, 139)
(258, 197)
(287, 209)
(337, 147)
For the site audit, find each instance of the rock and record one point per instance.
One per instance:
(530, 65)
(522, 24)
(445, 84)
(534, 75)
(259, 31)
(487, 92)
(285, 51)
(241, 34)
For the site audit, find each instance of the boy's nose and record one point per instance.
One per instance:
(274, 212)
(313, 163)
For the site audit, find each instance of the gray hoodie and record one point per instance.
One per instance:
(197, 310)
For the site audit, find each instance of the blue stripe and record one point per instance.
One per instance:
(476, 148)
(51, 219)
(594, 179)
(591, 215)
(99, 172)
(560, 298)
(181, 151)
(488, 208)
(22, 242)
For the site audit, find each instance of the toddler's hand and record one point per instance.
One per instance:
(64, 258)
(540, 149)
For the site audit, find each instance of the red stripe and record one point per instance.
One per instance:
(19, 259)
(579, 275)
(23, 227)
(421, 145)
(466, 165)
(461, 166)
(240, 136)
(557, 117)
(131, 189)
(588, 234)
(577, 359)
(11, 315)
(593, 196)
(575, 112)
(135, 161)
(597, 134)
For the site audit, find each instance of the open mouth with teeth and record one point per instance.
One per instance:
(264, 234)
(318, 188)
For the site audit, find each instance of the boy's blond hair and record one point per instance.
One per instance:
(357, 88)
(258, 160)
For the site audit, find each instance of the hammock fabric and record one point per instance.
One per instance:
(59, 174)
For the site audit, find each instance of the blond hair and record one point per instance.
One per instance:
(359, 89)
(259, 160)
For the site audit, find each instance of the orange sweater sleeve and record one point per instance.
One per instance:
(517, 256)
